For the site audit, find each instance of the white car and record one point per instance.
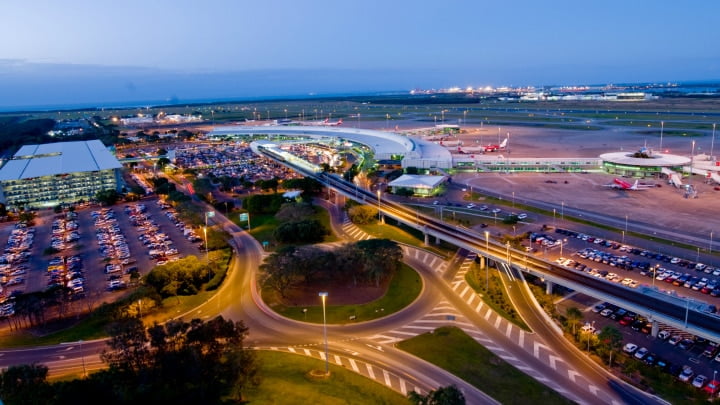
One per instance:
(471, 205)
(630, 348)
(496, 210)
(522, 216)
(641, 353)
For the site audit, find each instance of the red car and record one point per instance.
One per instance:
(627, 320)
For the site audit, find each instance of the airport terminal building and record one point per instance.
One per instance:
(63, 172)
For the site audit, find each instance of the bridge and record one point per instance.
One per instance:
(681, 313)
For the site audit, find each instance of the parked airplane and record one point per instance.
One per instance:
(495, 148)
(624, 185)
(325, 123)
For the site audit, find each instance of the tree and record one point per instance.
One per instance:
(305, 231)
(610, 340)
(362, 214)
(574, 317)
(449, 395)
(162, 162)
(25, 384)
(411, 170)
(290, 212)
(280, 271)
(381, 257)
(108, 196)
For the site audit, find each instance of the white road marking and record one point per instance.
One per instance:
(354, 365)
(403, 389)
(521, 338)
(572, 374)
(291, 350)
(322, 355)
(307, 352)
(480, 305)
(387, 378)
(497, 321)
(462, 294)
(338, 360)
(553, 361)
(508, 331)
(370, 370)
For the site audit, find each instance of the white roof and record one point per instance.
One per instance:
(58, 158)
(657, 159)
(416, 181)
(384, 144)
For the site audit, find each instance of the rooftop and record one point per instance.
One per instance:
(58, 158)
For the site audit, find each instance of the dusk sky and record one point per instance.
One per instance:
(83, 51)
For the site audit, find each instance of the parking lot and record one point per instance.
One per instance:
(97, 247)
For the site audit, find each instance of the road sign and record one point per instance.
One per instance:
(210, 214)
(244, 216)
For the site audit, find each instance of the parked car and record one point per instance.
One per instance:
(699, 381)
(630, 348)
(686, 374)
(641, 353)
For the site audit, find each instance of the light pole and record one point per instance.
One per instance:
(692, 158)
(562, 210)
(655, 273)
(662, 127)
(623, 237)
(83, 358)
(561, 245)
(324, 295)
(711, 241)
(487, 268)
(513, 201)
(507, 252)
(712, 143)
(382, 218)
(554, 222)
(465, 117)
(387, 121)
(626, 223)
(687, 310)
(207, 253)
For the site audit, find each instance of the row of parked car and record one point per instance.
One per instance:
(64, 231)
(17, 251)
(172, 215)
(683, 373)
(160, 245)
(66, 272)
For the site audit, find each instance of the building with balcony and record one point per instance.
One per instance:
(63, 172)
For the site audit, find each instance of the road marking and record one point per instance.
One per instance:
(572, 374)
(419, 327)
(351, 352)
(594, 389)
(291, 350)
(417, 254)
(403, 389)
(553, 361)
(462, 294)
(338, 360)
(521, 338)
(456, 284)
(508, 331)
(379, 348)
(354, 365)
(488, 313)
(273, 348)
(307, 352)
(480, 305)
(387, 378)
(536, 348)
(370, 370)
(497, 321)
(322, 355)
(426, 257)
(432, 263)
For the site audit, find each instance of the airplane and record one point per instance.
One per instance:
(325, 123)
(624, 185)
(495, 148)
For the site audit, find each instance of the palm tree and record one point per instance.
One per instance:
(574, 317)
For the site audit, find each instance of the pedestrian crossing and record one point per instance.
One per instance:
(372, 371)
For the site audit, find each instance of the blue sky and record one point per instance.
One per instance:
(103, 51)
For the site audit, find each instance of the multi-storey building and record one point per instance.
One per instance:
(53, 173)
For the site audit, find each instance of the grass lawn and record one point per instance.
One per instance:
(262, 227)
(496, 298)
(285, 380)
(453, 350)
(408, 236)
(402, 291)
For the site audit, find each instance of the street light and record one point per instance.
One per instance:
(487, 268)
(513, 202)
(623, 237)
(662, 126)
(711, 241)
(562, 211)
(382, 218)
(83, 358)
(324, 295)
(626, 223)
(712, 143)
(554, 222)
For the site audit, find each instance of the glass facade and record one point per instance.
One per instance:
(49, 191)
